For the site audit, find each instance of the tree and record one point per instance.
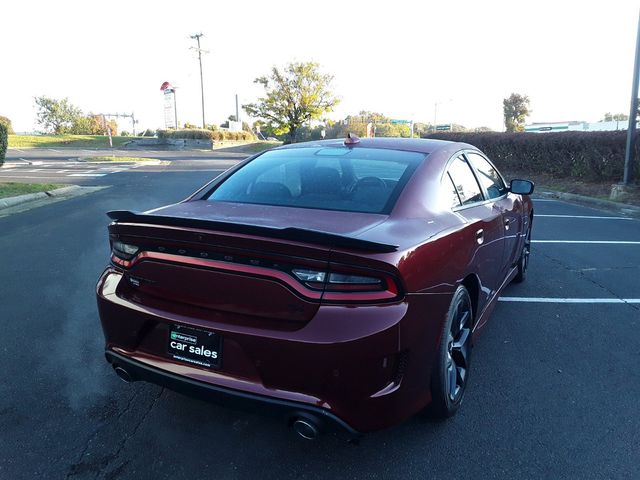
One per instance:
(294, 96)
(56, 116)
(92, 125)
(616, 117)
(7, 123)
(516, 109)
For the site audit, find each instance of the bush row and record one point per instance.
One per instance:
(4, 142)
(591, 156)
(7, 123)
(200, 134)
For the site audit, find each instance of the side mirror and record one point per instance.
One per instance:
(521, 187)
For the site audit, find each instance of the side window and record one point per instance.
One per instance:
(448, 194)
(465, 181)
(488, 175)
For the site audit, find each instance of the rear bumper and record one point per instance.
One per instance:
(227, 397)
(361, 368)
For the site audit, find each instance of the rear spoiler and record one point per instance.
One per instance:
(289, 233)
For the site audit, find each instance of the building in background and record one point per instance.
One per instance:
(576, 126)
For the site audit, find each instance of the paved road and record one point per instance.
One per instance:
(553, 393)
(45, 165)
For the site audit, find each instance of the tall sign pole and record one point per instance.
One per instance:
(196, 37)
(633, 115)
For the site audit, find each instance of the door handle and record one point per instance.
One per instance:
(507, 222)
(480, 236)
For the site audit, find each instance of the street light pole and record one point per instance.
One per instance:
(633, 115)
(196, 37)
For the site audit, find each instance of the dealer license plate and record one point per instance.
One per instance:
(192, 345)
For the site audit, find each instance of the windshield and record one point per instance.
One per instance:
(330, 178)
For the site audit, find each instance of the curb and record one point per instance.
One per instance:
(623, 208)
(13, 201)
(30, 197)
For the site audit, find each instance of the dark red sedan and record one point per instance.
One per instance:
(341, 283)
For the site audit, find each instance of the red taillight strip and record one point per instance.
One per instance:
(231, 267)
(390, 293)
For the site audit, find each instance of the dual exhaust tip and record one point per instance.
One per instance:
(304, 424)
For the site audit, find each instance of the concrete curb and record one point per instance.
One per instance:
(622, 208)
(13, 201)
(70, 191)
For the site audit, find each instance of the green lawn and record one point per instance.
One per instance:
(53, 141)
(12, 189)
(250, 147)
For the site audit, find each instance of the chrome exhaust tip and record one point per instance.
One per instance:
(306, 428)
(123, 374)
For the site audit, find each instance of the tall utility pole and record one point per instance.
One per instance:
(196, 37)
(633, 115)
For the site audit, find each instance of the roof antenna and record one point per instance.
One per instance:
(351, 139)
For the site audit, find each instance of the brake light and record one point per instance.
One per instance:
(343, 282)
(341, 287)
(124, 251)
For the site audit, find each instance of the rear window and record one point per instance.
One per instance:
(365, 180)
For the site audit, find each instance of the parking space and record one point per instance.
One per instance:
(553, 388)
(581, 255)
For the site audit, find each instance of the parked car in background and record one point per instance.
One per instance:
(341, 282)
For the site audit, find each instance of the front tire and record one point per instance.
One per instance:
(451, 371)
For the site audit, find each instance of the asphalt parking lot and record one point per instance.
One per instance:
(553, 392)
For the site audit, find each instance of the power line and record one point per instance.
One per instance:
(200, 51)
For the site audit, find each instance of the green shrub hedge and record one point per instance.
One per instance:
(4, 142)
(7, 123)
(199, 134)
(589, 156)
(186, 134)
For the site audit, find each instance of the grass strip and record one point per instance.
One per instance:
(13, 189)
(252, 147)
(58, 141)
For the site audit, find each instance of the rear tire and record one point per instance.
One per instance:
(451, 370)
(523, 262)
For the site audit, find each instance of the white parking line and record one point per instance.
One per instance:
(592, 217)
(86, 174)
(603, 242)
(568, 300)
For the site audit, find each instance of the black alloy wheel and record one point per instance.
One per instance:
(523, 262)
(451, 372)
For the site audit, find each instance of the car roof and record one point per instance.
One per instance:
(422, 145)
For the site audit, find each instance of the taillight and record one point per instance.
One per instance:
(122, 252)
(353, 283)
(348, 287)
